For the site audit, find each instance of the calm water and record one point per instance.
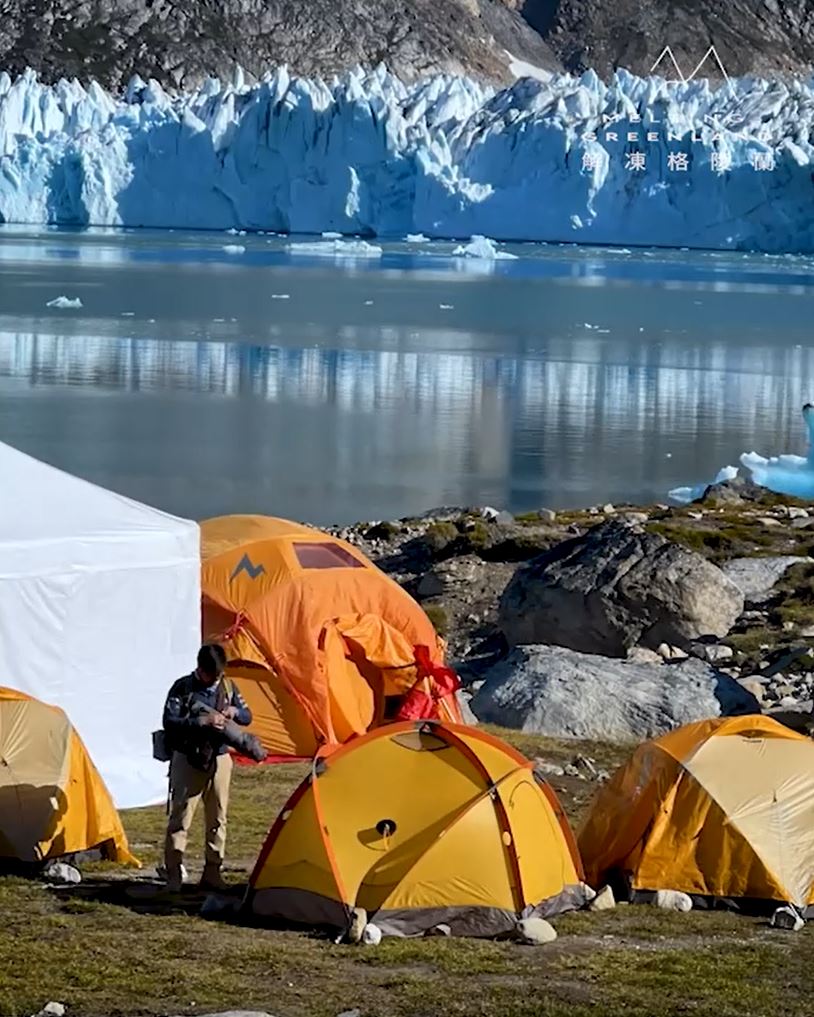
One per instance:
(205, 382)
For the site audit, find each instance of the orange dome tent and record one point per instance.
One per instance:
(319, 640)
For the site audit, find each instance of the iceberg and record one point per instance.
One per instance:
(629, 162)
(786, 474)
(482, 247)
(684, 495)
(65, 303)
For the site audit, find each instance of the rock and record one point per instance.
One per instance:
(752, 687)
(52, 1010)
(614, 587)
(802, 524)
(635, 517)
(59, 872)
(796, 512)
(608, 509)
(713, 653)
(768, 521)
(357, 925)
(535, 931)
(558, 692)
(673, 900)
(489, 513)
(504, 519)
(546, 515)
(782, 662)
(588, 892)
(430, 585)
(641, 655)
(372, 935)
(757, 577)
(240, 1013)
(787, 918)
(464, 701)
(732, 492)
(604, 900)
(548, 769)
(666, 652)
(350, 1013)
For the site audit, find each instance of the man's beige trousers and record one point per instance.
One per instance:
(187, 787)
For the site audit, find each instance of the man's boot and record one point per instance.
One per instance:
(175, 878)
(211, 878)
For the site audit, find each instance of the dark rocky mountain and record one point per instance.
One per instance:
(180, 44)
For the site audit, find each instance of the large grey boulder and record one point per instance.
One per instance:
(614, 587)
(557, 692)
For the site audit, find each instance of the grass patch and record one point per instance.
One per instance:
(438, 616)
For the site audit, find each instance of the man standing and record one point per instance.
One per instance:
(197, 707)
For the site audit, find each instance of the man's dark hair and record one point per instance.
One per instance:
(212, 659)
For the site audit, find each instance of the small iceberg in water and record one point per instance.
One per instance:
(786, 474)
(684, 495)
(65, 303)
(484, 248)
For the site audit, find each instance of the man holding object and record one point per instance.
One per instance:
(195, 713)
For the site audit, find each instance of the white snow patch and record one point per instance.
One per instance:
(484, 248)
(234, 249)
(65, 303)
(523, 69)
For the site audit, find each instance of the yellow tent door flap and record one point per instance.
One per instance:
(420, 824)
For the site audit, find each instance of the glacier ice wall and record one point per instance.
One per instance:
(369, 154)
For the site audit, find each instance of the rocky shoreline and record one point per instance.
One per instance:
(616, 623)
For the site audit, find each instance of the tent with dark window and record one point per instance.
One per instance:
(322, 644)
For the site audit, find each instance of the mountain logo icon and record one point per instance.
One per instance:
(711, 54)
(246, 565)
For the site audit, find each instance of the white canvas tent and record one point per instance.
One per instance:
(99, 613)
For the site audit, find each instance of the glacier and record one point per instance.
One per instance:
(369, 155)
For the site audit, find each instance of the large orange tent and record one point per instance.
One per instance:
(721, 808)
(320, 642)
(419, 824)
(52, 800)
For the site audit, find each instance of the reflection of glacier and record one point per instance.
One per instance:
(385, 432)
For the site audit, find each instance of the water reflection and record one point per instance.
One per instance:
(338, 434)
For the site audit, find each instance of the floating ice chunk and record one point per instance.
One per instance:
(128, 314)
(684, 495)
(368, 303)
(234, 249)
(337, 249)
(280, 296)
(446, 307)
(786, 474)
(416, 238)
(482, 247)
(232, 231)
(331, 235)
(65, 303)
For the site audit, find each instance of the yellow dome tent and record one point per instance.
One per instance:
(52, 800)
(717, 809)
(319, 640)
(419, 824)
